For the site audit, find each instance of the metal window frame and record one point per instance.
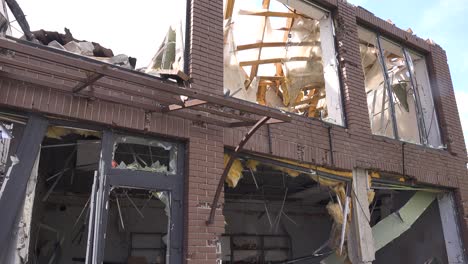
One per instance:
(105, 178)
(422, 125)
(423, 134)
(111, 177)
(388, 87)
(430, 88)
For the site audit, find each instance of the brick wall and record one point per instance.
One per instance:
(303, 139)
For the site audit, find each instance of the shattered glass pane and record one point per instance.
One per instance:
(137, 226)
(402, 92)
(282, 57)
(144, 154)
(423, 88)
(378, 102)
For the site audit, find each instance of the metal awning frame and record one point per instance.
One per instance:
(89, 78)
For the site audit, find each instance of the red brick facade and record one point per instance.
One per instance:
(303, 139)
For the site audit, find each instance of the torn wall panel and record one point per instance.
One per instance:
(20, 243)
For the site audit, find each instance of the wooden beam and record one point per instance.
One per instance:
(186, 104)
(278, 60)
(92, 78)
(254, 70)
(268, 14)
(361, 217)
(229, 9)
(271, 78)
(275, 44)
(313, 85)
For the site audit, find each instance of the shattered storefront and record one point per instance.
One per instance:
(99, 196)
(98, 162)
(89, 186)
(281, 211)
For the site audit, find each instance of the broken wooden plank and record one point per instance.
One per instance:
(278, 60)
(268, 14)
(187, 104)
(174, 74)
(261, 94)
(92, 78)
(271, 78)
(229, 9)
(275, 44)
(361, 217)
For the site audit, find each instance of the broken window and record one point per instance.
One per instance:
(423, 88)
(378, 102)
(75, 210)
(275, 213)
(281, 54)
(137, 226)
(11, 131)
(408, 113)
(54, 221)
(144, 154)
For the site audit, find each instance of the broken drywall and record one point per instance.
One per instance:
(20, 243)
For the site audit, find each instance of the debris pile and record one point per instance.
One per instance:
(82, 47)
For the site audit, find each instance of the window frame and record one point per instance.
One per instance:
(110, 177)
(422, 130)
(334, 65)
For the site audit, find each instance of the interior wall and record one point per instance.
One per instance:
(311, 228)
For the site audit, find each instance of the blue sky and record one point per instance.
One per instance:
(444, 21)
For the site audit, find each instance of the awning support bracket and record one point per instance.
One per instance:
(232, 158)
(92, 78)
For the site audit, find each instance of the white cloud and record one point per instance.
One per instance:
(462, 99)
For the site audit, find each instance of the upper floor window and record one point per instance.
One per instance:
(281, 54)
(399, 96)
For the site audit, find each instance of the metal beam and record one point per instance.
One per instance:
(233, 157)
(15, 186)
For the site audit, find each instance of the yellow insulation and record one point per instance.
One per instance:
(235, 173)
(252, 164)
(58, 132)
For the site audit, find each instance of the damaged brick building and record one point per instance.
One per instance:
(262, 131)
